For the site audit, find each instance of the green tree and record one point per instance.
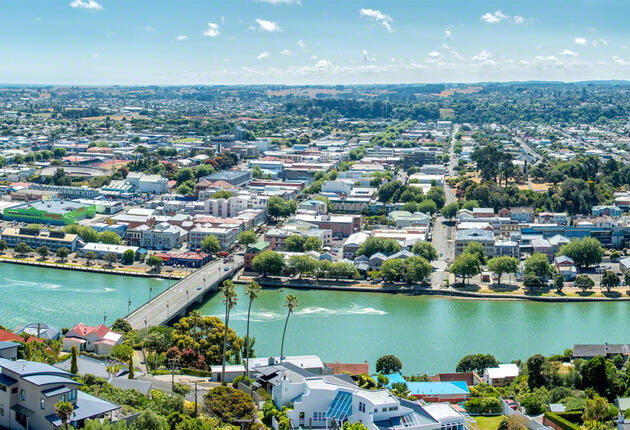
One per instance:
(210, 244)
(476, 362)
(110, 258)
(184, 175)
(221, 194)
(502, 265)
(558, 282)
(393, 269)
(425, 250)
(538, 265)
(22, 248)
(62, 253)
(585, 252)
(149, 420)
(121, 326)
(477, 249)
(64, 411)
(122, 352)
(268, 263)
(312, 243)
(584, 282)
(229, 404)
(43, 251)
(295, 243)
(417, 269)
(388, 364)
(449, 211)
(128, 257)
(3, 245)
(251, 291)
(89, 256)
(230, 299)
(594, 375)
(427, 206)
(532, 282)
(154, 262)
(291, 303)
(372, 245)
(610, 280)
(109, 237)
(246, 237)
(535, 375)
(596, 409)
(466, 265)
(131, 374)
(74, 367)
(301, 264)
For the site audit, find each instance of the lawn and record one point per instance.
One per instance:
(488, 423)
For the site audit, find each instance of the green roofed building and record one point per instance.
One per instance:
(51, 212)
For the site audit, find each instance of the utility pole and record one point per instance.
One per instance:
(173, 364)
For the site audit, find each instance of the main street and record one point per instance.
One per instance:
(178, 297)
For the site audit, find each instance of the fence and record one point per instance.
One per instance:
(531, 423)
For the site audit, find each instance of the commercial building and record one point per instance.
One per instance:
(340, 225)
(55, 212)
(163, 236)
(37, 238)
(148, 184)
(484, 237)
(232, 177)
(102, 249)
(30, 390)
(226, 236)
(69, 191)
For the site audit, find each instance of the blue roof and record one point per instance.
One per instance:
(437, 388)
(49, 379)
(340, 407)
(55, 391)
(394, 378)
(86, 406)
(25, 368)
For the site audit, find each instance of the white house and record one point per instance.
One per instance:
(328, 401)
(99, 339)
(500, 376)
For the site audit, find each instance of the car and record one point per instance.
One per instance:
(225, 269)
(511, 403)
(199, 287)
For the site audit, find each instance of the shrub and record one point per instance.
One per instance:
(483, 405)
(247, 381)
(561, 422)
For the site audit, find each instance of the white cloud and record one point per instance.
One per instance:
(448, 34)
(323, 65)
(378, 16)
(87, 4)
(264, 25)
(568, 53)
(366, 56)
(482, 56)
(181, 37)
(580, 41)
(620, 61)
(262, 55)
(301, 44)
(434, 54)
(494, 18)
(519, 20)
(278, 2)
(548, 59)
(212, 31)
(604, 42)
(285, 52)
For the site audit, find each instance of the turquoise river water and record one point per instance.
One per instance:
(429, 334)
(65, 297)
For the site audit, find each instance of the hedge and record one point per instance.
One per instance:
(561, 422)
(196, 372)
(574, 417)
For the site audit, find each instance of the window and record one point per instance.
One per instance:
(3, 388)
(361, 407)
(375, 410)
(42, 403)
(1, 412)
(72, 395)
(63, 397)
(14, 390)
(22, 395)
(384, 409)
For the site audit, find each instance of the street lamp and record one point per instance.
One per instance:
(150, 291)
(128, 305)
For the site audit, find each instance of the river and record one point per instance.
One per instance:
(429, 334)
(65, 297)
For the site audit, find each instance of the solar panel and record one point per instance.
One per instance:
(340, 407)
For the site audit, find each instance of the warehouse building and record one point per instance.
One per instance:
(55, 212)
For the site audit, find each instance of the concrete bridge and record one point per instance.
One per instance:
(174, 302)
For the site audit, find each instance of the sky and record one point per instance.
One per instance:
(179, 42)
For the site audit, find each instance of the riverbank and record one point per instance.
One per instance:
(345, 285)
(93, 269)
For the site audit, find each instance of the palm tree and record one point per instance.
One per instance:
(230, 299)
(252, 290)
(291, 303)
(64, 411)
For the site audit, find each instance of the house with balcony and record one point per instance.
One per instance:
(323, 402)
(30, 390)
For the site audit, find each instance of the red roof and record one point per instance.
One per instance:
(351, 368)
(7, 336)
(84, 330)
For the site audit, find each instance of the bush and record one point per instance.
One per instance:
(561, 422)
(196, 372)
(247, 381)
(532, 404)
(181, 389)
(483, 405)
